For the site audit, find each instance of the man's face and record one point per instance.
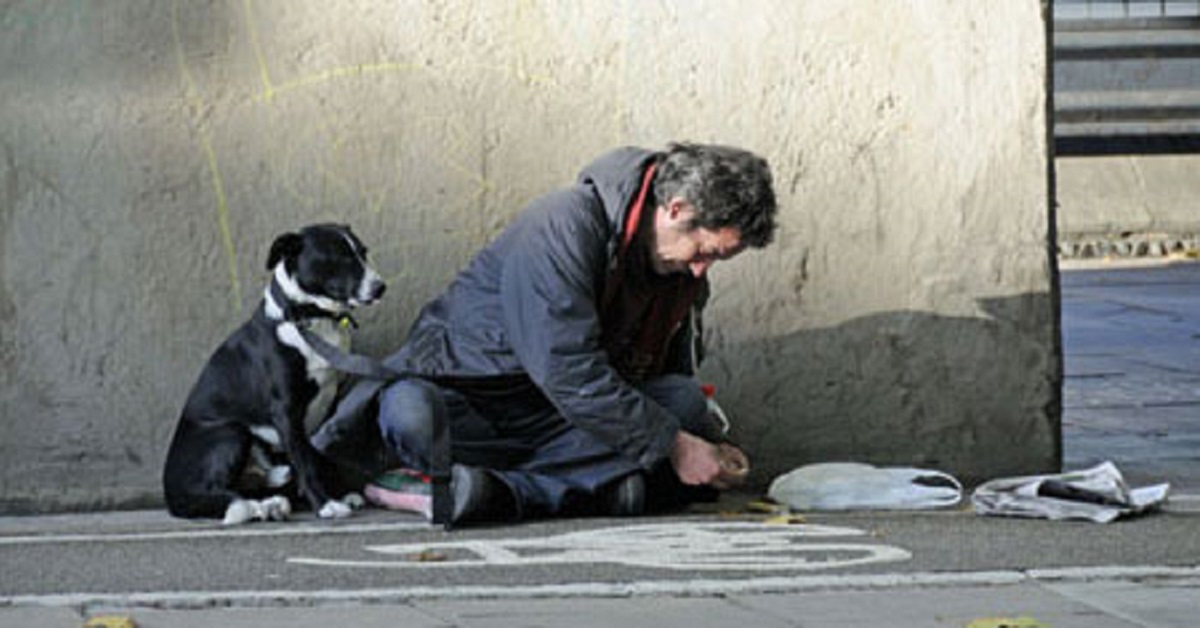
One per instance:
(678, 248)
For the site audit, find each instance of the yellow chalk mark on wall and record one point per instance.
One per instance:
(375, 198)
(310, 80)
(337, 167)
(268, 88)
(196, 103)
(271, 90)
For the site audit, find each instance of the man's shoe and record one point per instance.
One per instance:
(481, 496)
(627, 497)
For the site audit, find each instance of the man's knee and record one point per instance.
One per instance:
(407, 410)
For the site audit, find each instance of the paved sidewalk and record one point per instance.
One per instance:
(1104, 604)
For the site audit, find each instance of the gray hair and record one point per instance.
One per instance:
(728, 187)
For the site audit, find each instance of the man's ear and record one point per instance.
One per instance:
(678, 207)
(285, 246)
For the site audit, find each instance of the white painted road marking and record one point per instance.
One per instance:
(734, 546)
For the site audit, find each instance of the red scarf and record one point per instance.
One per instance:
(641, 310)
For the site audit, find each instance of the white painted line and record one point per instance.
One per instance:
(686, 546)
(213, 533)
(738, 586)
(823, 556)
(1182, 503)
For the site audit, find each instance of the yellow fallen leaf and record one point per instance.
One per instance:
(1007, 622)
(759, 505)
(427, 556)
(785, 520)
(110, 621)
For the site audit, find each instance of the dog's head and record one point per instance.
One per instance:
(326, 266)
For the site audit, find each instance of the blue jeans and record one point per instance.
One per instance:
(552, 466)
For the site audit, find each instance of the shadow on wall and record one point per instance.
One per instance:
(978, 397)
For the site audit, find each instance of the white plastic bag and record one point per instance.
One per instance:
(855, 486)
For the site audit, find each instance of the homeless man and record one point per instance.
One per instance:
(562, 357)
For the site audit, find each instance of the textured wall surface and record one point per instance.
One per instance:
(151, 150)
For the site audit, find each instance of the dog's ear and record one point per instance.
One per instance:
(285, 246)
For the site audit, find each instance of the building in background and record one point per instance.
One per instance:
(1127, 127)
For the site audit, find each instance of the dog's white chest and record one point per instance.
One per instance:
(326, 330)
(320, 372)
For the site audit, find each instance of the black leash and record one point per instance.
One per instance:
(369, 368)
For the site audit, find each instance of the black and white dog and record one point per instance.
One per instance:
(265, 389)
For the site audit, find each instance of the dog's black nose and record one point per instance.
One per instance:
(377, 290)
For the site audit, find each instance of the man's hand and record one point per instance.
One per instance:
(735, 466)
(695, 460)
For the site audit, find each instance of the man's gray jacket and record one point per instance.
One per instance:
(526, 310)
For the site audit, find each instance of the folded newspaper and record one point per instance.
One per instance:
(1098, 494)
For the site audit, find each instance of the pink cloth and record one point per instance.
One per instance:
(397, 500)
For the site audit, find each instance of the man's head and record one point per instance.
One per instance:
(712, 202)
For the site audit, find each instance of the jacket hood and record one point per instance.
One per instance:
(617, 177)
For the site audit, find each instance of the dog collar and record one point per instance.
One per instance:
(299, 312)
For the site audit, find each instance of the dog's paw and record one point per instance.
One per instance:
(354, 501)
(278, 477)
(240, 511)
(276, 508)
(334, 509)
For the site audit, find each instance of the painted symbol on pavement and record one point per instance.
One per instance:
(681, 546)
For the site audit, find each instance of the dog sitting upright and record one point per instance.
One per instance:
(265, 388)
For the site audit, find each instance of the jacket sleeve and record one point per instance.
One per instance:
(549, 281)
(685, 350)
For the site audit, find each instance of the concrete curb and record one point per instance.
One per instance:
(170, 600)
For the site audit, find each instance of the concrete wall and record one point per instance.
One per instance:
(150, 151)
(1103, 196)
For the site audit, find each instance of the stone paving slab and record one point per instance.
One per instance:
(951, 607)
(1171, 603)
